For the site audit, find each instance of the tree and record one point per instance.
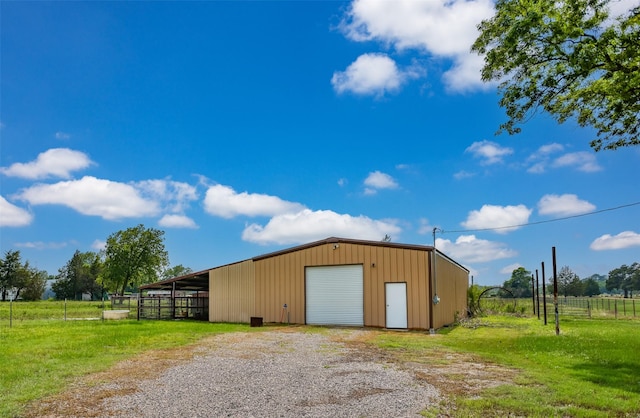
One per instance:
(624, 278)
(78, 276)
(175, 271)
(17, 278)
(520, 283)
(569, 59)
(134, 256)
(591, 287)
(35, 283)
(11, 275)
(568, 282)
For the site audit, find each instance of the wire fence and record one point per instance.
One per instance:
(567, 306)
(617, 307)
(15, 313)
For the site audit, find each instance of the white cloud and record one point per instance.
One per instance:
(225, 202)
(371, 74)
(462, 174)
(39, 245)
(491, 216)
(99, 245)
(62, 135)
(91, 196)
(540, 159)
(549, 149)
(437, 28)
(618, 8)
(509, 269)
(12, 215)
(56, 162)
(623, 240)
(174, 195)
(307, 225)
(469, 249)
(582, 161)
(177, 221)
(490, 152)
(377, 180)
(563, 205)
(425, 227)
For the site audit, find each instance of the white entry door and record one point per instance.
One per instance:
(396, 298)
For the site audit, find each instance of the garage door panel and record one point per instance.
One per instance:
(334, 295)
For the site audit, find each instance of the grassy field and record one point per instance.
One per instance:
(592, 369)
(54, 310)
(41, 357)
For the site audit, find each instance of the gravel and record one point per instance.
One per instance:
(280, 374)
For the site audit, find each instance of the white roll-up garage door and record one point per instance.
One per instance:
(334, 295)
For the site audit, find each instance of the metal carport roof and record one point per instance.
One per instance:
(198, 281)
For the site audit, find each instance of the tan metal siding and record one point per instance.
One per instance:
(232, 292)
(280, 279)
(452, 283)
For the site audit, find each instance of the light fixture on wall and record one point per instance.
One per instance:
(336, 246)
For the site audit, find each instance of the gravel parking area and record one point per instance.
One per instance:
(278, 374)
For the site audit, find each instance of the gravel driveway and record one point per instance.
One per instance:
(279, 373)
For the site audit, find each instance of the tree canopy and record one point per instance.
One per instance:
(78, 276)
(624, 278)
(176, 271)
(520, 283)
(17, 277)
(133, 257)
(568, 59)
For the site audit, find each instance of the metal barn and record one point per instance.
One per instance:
(334, 281)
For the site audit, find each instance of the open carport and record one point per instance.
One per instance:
(180, 297)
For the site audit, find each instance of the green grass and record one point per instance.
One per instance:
(28, 311)
(41, 357)
(592, 369)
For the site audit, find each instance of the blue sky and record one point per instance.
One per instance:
(241, 128)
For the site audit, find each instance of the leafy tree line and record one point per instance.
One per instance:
(132, 257)
(18, 279)
(624, 279)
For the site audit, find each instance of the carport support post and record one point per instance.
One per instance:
(173, 300)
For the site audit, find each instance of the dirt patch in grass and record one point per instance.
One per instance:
(452, 373)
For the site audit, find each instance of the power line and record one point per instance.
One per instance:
(541, 222)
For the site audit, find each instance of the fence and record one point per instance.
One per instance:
(194, 306)
(22, 311)
(567, 306)
(618, 307)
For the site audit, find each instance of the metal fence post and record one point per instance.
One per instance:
(555, 290)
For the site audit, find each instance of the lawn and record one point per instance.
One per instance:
(592, 369)
(41, 357)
